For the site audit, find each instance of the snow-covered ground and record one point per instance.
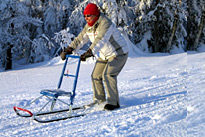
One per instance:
(161, 96)
(196, 95)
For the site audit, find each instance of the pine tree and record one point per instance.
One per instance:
(28, 29)
(29, 26)
(15, 25)
(195, 24)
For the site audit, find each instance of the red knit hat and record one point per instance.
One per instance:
(91, 9)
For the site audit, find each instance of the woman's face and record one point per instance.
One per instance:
(89, 18)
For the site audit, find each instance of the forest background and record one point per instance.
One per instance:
(32, 31)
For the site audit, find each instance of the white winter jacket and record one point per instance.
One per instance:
(105, 37)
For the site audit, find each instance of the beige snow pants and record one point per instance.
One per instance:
(105, 75)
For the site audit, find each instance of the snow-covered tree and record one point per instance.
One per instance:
(154, 23)
(41, 49)
(15, 29)
(195, 24)
(115, 11)
(64, 38)
(35, 30)
(27, 28)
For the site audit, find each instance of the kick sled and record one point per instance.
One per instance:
(49, 99)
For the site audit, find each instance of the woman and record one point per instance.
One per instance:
(113, 52)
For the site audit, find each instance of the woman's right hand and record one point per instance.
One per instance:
(65, 52)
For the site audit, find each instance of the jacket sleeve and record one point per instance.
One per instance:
(102, 37)
(80, 40)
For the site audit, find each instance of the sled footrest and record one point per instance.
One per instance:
(55, 93)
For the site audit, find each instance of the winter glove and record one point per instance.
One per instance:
(65, 52)
(86, 55)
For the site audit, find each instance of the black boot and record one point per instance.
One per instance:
(111, 107)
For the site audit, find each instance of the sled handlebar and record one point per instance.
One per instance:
(72, 56)
(25, 110)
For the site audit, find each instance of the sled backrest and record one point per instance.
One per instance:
(71, 75)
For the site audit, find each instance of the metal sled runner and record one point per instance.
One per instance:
(48, 112)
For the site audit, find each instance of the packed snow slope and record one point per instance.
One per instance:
(196, 95)
(153, 96)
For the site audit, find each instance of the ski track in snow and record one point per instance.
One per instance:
(196, 97)
(153, 98)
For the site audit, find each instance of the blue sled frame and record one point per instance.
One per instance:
(53, 95)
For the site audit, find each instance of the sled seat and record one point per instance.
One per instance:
(55, 93)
